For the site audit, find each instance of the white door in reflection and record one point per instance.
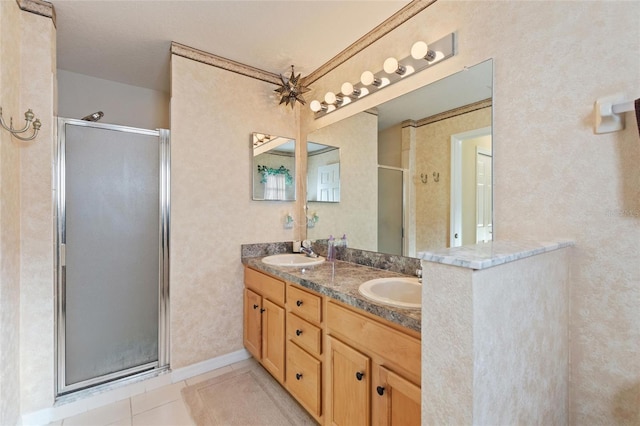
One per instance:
(483, 195)
(328, 187)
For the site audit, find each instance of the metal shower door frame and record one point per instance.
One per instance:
(164, 208)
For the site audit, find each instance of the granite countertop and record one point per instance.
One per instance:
(340, 281)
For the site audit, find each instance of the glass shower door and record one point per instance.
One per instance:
(113, 191)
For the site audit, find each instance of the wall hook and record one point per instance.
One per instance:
(28, 118)
(436, 177)
(423, 178)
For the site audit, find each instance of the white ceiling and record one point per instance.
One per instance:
(128, 41)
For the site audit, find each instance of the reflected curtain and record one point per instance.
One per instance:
(274, 187)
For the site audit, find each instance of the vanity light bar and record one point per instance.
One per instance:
(422, 57)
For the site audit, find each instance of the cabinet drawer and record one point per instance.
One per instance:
(269, 287)
(304, 378)
(304, 334)
(304, 304)
(393, 345)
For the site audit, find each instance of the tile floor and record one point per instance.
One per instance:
(159, 407)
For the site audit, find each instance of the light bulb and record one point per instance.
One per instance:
(330, 98)
(347, 89)
(367, 78)
(316, 106)
(420, 50)
(391, 66)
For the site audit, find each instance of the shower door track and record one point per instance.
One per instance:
(162, 364)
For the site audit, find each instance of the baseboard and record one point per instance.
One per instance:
(209, 365)
(81, 405)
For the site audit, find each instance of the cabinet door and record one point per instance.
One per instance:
(350, 384)
(252, 335)
(273, 339)
(395, 400)
(304, 378)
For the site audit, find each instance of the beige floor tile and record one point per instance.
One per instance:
(102, 416)
(156, 398)
(172, 414)
(247, 363)
(123, 422)
(209, 375)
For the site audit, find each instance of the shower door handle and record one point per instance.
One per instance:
(63, 255)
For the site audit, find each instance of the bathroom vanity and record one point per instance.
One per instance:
(346, 360)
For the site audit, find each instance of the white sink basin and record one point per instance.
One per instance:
(400, 292)
(292, 259)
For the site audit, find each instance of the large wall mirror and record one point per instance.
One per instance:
(416, 171)
(273, 172)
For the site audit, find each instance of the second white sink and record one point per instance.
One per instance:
(400, 292)
(292, 259)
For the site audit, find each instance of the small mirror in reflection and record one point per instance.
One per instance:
(323, 173)
(273, 172)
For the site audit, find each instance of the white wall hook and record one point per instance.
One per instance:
(609, 113)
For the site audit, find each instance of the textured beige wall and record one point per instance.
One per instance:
(552, 176)
(9, 216)
(433, 154)
(38, 44)
(390, 146)
(489, 363)
(521, 344)
(356, 213)
(447, 345)
(213, 113)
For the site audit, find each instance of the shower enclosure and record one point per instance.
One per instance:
(112, 199)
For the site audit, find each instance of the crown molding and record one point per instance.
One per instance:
(39, 7)
(487, 103)
(224, 63)
(391, 23)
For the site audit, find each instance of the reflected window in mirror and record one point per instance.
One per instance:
(432, 181)
(273, 173)
(323, 173)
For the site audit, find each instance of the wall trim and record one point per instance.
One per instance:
(487, 103)
(224, 63)
(39, 7)
(391, 23)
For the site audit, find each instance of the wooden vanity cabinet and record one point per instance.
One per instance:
(346, 367)
(373, 370)
(264, 321)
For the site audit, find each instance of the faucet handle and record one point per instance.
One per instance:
(419, 273)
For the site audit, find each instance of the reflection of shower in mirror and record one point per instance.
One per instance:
(94, 117)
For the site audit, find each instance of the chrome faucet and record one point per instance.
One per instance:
(419, 275)
(306, 249)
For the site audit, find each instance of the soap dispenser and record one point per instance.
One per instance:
(331, 248)
(343, 241)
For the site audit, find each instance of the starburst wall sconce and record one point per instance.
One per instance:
(291, 89)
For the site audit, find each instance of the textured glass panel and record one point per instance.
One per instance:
(390, 211)
(112, 244)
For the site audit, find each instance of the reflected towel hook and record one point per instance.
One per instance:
(423, 178)
(436, 177)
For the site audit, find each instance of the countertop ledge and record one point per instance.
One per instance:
(492, 253)
(340, 281)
